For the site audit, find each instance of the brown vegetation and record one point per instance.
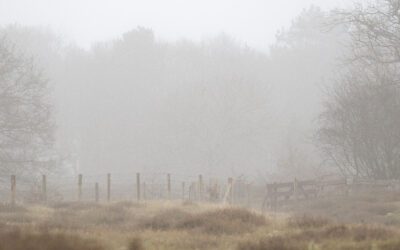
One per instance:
(135, 244)
(329, 236)
(17, 240)
(168, 225)
(305, 221)
(228, 221)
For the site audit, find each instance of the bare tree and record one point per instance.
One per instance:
(360, 123)
(375, 31)
(26, 127)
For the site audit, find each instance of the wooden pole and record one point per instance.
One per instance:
(275, 197)
(218, 190)
(248, 194)
(13, 189)
(44, 188)
(96, 192)
(200, 187)
(138, 186)
(80, 187)
(108, 187)
(169, 185)
(191, 192)
(230, 186)
(183, 191)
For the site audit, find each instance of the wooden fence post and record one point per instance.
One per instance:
(183, 191)
(248, 200)
(218, 190)
(108, 187)
(96, 192)
(138, 186)
(13, 189)
(80, 187)
(190, 192)
(200, 188)
(44, 188)
(275, 197)
(195, 191)
(169, 185)
(230, 188)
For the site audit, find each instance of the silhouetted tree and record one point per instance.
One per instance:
(360, 123)
(26, 126)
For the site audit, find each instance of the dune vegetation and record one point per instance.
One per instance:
(177, 225)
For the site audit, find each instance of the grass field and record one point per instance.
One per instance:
(177, 225)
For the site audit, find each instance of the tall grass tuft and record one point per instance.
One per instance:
(17, 240)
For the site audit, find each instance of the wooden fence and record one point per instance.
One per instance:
(139, 187)
(143, 187)
(279, 192)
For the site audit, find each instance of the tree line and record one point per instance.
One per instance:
(211, 106)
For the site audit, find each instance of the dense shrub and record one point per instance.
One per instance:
(169, 219)
(273, 243)
(135, 244)
(229, 221)
(305, 221)
(16, 240)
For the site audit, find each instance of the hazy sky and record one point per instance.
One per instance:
(254, 22)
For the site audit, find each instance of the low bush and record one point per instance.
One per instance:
(169, 219)
(365, 232)
(16, 240)
(304, 222)
(341, 232)
(273, 243)
(135, 244)
(228, 221)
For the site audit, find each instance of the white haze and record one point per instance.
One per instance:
(132, 102)
(254, 22)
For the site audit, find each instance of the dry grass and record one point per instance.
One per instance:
(17, 240)
(356, 233)
(218, 221)
(373, 207)
(224, 221)
(169, 225)
(273, 243)
(306, 221)
(136, 244)
(166, 220)
(332, 236)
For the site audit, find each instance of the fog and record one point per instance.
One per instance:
(187, 124)
(253, 22)
(218, 88)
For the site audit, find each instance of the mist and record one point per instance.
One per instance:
(188, 117)
(142, 100)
